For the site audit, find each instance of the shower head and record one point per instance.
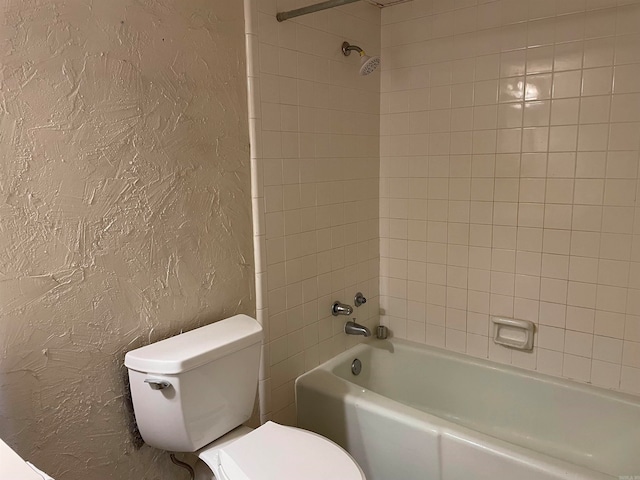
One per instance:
(368, 64)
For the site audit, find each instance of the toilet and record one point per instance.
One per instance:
(192, 393)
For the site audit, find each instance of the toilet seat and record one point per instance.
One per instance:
(276, 452)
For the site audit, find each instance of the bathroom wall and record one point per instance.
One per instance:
(125, 213)
(509, 176)
(314, 126)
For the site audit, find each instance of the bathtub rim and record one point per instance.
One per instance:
(323, 379)
(333, 363)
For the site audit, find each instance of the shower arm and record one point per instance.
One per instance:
(282, 16)
(346, 49)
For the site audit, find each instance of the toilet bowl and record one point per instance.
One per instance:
(277, 452)
(191, 393)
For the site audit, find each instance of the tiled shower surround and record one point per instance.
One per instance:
(314, 126)
(496, 156)
(510, 134)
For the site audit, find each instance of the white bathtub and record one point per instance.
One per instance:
(417, 412)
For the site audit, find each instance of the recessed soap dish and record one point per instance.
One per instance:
(513, 333)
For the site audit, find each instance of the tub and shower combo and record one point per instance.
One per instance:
(421, 413)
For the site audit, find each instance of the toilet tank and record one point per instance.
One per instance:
(191, 389)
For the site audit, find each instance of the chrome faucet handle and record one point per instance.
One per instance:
(341, 309)
(359, 299)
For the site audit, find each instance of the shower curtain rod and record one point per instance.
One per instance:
(282, 16)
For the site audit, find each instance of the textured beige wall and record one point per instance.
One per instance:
(124, 211)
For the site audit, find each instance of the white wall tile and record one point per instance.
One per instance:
(527, 195)
(319, 125)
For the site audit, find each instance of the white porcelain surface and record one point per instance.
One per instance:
(195, 348)
(13, 467)
(212, 373)
(205, 402)
(276, 452)
(418, 412)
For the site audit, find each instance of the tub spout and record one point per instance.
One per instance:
(353, 328)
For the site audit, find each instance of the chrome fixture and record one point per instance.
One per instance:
(157, 384)
(359, 299)
(347, 48)
(341, 309)
(356, 366)
(353, 328)
(367, 64)
(282, 16)
(382, 332)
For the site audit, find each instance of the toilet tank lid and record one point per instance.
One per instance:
(195, 348)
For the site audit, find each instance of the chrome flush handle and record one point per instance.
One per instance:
(157, 384)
